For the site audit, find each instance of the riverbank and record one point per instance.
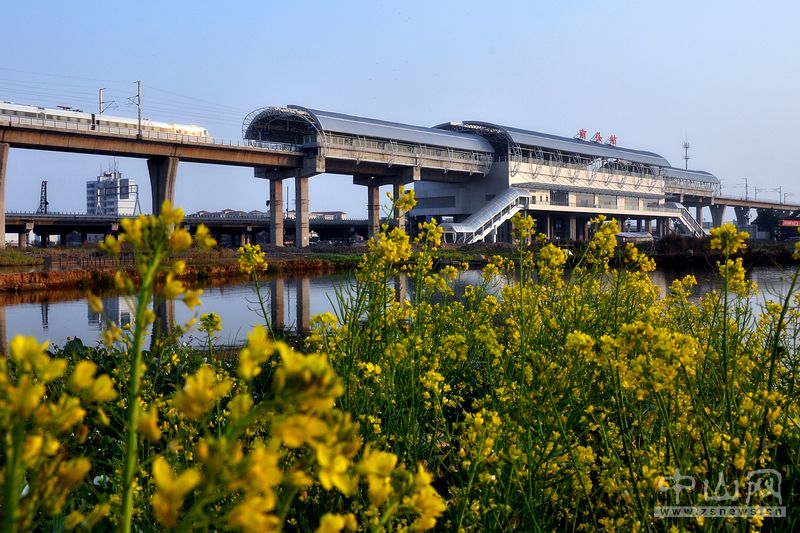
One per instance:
(81, 269)
(100, 279)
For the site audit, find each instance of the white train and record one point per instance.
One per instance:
(92, 121)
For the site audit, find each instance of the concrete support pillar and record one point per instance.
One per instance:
(373, 210)
(84, 237)
(742, 216)
(546, 228)
(4, 148)
(276, 212)
(573, 228)
(277, 304)
(303, 305)
(301, 211)
(717, 212)
(163, 171)
(62, 239)
(22, 239)
(698, 214)
(399, 215)
(492, 237)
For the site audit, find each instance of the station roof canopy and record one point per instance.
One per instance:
(275, 123)
(692, 175)
(535, 139)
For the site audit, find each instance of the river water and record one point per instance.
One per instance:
(292, 301)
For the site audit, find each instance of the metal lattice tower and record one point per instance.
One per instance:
(43, 203)
(686, 156)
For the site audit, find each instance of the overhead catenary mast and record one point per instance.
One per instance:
(686, 156)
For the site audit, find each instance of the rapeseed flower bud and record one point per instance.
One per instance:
(210, 323)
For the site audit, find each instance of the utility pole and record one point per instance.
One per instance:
(139, 104)
(746, 190)
(100, 107)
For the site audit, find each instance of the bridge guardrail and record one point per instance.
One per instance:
(151, 135)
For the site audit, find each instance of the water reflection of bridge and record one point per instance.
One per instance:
(288, 303)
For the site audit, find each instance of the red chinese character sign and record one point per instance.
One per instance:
(582, 134)
(598, 138)
(612, 140)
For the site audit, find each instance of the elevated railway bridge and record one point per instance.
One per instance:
(241, 228)
(474, 175)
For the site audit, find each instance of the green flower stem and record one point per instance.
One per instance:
(11, 483)
(134, 384)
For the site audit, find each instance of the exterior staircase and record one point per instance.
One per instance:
(488, 218)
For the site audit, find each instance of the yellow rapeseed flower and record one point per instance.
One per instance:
(147, 425)
(203, 238)
(180, 240)
(82, 377)
(728, 239)
(111, 245)
(171, 490)
(201, 392)
(172, 287)
(191, 298)
(170, 215)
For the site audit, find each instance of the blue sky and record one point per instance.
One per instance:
(722, 74)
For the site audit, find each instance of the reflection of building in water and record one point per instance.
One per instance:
(115, 309)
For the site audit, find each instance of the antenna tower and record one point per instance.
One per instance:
(43, 203)
(686, 156)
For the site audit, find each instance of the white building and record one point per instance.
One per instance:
(111, 194)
